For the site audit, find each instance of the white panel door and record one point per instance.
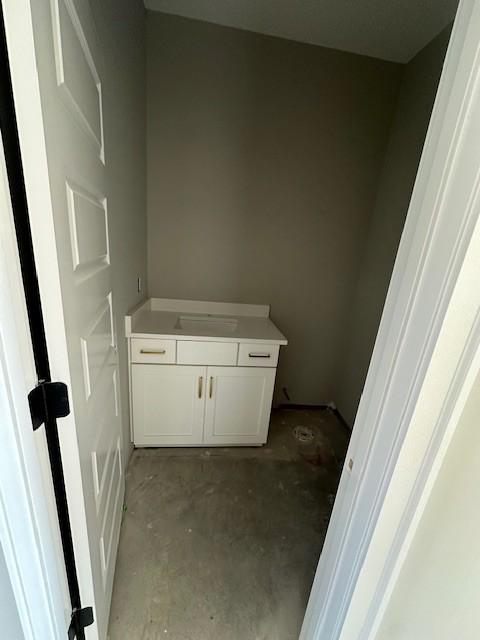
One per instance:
(69, 66)
(168, 404)
(238, 405)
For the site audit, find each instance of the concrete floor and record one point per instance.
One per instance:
(222, 544)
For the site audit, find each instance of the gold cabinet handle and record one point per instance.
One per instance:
(160, 352)
(200, 386)
(210, 393)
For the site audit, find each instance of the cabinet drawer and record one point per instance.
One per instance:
(258, 355)
(149, 350)
(214, 353)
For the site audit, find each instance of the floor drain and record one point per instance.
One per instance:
(303, 434)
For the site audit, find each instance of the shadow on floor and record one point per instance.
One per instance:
(222, 544)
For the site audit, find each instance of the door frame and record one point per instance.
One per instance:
(423, 364)
(28, 537)
(367, 539)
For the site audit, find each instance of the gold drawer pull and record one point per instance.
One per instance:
(210, 393)
(200, 386)
(159, 352)
(259, 355)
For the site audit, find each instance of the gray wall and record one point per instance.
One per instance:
(263, 158)
(121, 26)
(405, 145)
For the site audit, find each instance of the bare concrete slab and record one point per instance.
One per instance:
(222, 544)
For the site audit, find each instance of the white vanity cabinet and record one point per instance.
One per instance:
(190, 388)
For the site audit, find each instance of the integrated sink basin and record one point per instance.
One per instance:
(206, 325)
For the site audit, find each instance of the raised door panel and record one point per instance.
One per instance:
(76, 57)
(238, 405)
(168, 404)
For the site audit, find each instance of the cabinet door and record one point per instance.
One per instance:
(168, 404)
(238, 405)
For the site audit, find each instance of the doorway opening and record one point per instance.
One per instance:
(267, 171)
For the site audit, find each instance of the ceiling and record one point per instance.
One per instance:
(389, 29)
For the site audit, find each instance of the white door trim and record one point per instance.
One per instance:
(422, 365)
(26, 535)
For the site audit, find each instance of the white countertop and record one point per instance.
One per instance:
(159, 318)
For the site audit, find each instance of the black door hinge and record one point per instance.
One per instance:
(81, 618)
(48, 400)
